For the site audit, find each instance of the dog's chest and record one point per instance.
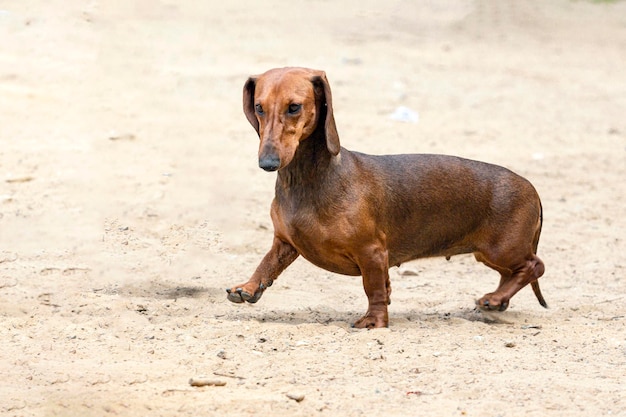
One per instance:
(303, 227)
(323, 243)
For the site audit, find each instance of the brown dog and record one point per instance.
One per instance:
(359, 214)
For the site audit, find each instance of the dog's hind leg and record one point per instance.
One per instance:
(512, 279)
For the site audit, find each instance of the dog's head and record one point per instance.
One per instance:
(285, 106)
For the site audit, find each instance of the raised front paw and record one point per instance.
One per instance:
(492, 302)
(245, 292)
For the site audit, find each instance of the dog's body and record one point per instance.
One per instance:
(359, 214)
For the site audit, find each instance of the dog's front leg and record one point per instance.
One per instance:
(280, 256)
(375, 270)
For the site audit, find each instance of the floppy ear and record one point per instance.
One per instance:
(248, 102)
(330, 129)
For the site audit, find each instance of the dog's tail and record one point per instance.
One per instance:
(535, 283)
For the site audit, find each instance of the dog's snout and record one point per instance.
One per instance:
(269, 163)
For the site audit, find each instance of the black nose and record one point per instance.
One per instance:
(269, 163)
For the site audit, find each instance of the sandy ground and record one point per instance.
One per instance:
(130, 197)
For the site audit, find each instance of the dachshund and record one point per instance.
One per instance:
(357, 214)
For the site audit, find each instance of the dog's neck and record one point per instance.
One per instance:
(310, 167)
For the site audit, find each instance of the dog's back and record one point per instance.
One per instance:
(438, 205)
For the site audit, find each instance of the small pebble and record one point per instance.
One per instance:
(123, 136)
(407, 272)
(205, 382)
(296, 397)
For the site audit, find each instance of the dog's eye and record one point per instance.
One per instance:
(294, 108)
(259, 109)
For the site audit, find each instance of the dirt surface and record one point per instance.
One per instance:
(130, 198)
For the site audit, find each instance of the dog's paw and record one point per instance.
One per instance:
(239, 295)
(371, 322)
(235, 296)
(491, 303)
